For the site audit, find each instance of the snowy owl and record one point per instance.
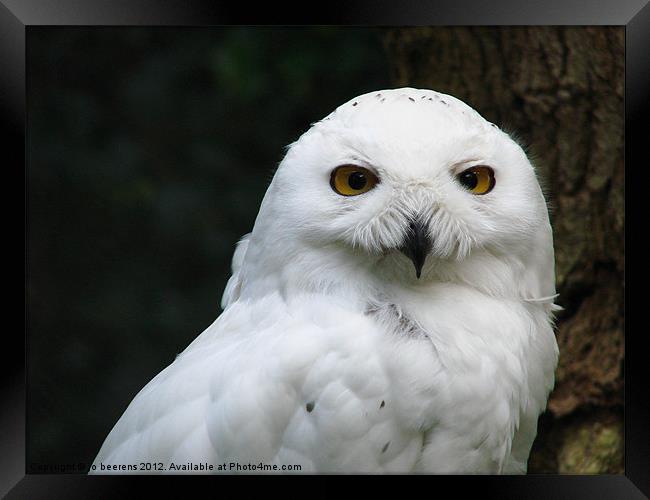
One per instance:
(390, 311)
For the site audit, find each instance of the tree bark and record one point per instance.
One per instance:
(559, 90)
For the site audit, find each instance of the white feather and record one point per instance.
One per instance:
(233, 287)
(330, 354)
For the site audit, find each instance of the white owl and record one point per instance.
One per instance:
(391, 310)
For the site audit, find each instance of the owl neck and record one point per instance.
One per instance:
(273, 266)
(356, 279)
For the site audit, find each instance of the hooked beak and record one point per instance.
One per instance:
(417, 244)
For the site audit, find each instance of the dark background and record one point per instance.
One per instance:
(149, 151)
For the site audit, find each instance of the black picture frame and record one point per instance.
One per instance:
(17, 16)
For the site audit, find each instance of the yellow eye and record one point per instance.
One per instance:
(478, 180)
(350, 180)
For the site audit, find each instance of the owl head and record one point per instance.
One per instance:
(405, 187)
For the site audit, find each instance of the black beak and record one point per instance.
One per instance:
(417, 244)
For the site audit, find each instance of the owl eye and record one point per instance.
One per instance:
(351, 180)
(478, 180)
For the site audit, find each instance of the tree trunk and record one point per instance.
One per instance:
(560, 91)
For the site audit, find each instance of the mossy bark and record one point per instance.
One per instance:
(559, 90)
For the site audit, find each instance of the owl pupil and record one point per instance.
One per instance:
(469, 180)
(357, 180)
